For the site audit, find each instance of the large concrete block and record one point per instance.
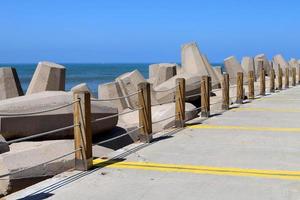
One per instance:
(129, 84)
(280, 61)
(248, 64)
(232, 67)
(10, 85)
(29, 154)
(160, 112)
(47, 77)
(218, 72)
(194, 62)
(293, 63)
(113, 90)
(162, 72)
(266, 65)
(82, 87)
(3, 145)
(21, 126)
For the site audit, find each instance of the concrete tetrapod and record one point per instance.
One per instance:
(159, 73)
(248, 64)
(266, 64)
(3, 145)
(47, 77)
(9, 83)
(232, 67)
(279, 60)
(13, 127)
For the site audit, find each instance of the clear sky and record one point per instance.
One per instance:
(145, 31)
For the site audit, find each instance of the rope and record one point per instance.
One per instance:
(117, 98)
(164, 119)
(41, 134)
(38, 112)
(172, 101)
(194, 95)
(166, 90)
(57, 158)
(119, 136)
(112, 116)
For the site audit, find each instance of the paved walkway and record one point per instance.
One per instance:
(250, 152)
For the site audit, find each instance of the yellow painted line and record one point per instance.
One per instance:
(223, 171)
(277, 99)
(266, 110)
(244, 128)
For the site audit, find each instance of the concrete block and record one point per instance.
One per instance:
(3, 145)
(82, 87)
(10, 85)
(194, 62)
(258, 66)
(47, 77)
(162, 72)
(29, 154)
(113, 90)
(158, 113)
(21, 126)
(293, 63)
(248, 64)
(232, 67)
(218, 72)
(279, 60)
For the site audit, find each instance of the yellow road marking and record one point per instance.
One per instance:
(225, 171)
(244, 128)
(277, 99)
(266, 110)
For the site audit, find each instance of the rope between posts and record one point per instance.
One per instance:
(117, 98)
(25, 169)
(112, 116)
(194, 95)
(119, 136)
(172, 101)
(37, 112)
(166, 90)
(164, 119)
(41, 134)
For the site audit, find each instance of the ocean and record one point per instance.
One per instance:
(92, 74)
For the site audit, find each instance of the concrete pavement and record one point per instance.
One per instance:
(250, 152)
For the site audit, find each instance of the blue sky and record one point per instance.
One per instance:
(145, 31)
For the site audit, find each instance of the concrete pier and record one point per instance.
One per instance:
(251, 151)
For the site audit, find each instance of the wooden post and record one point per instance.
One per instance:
(225, 92)
(279, 78)
(287, 78)
(251, 78)
(83, 132)
(240, 88)
(272, 80)
(262, 82)
(205, 96)
(299, 75)
(294, 76)
(180, 103)
(145, 116)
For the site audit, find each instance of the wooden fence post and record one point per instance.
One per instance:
(240, 88)
(180, 103)
(272, 80)
(287, 78)
(294, 76)
(205, 96)
(262, 82)
(299, 75)
(279, 78)
(251, 78)
(145, 116)
(225, 92)
(83, 132)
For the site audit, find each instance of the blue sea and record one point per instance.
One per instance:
(92, 74)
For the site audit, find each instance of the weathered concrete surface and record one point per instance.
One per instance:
(294, 63)
(47, 77)
(3, 145)
(228, 149)
(248, 64)
(280, 61)
(20, 126)
(194, 62)
(82, 87)
(159, 73)
(232, 67)
(219, 73)
(266, 65)
(159, 112)
(10, 85)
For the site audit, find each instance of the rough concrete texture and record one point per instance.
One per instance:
(129, 84)
(218, 71)
(230, 149)
(21, 126)
(293, 63)
(113, 90)
(248, 64)
(162, 72)
(47, 77)
(82, 87)
(266, 65)
(10, 85)
(194, 62)
(279, 61)
(232, 67)
(159, 112)
(3, 145)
